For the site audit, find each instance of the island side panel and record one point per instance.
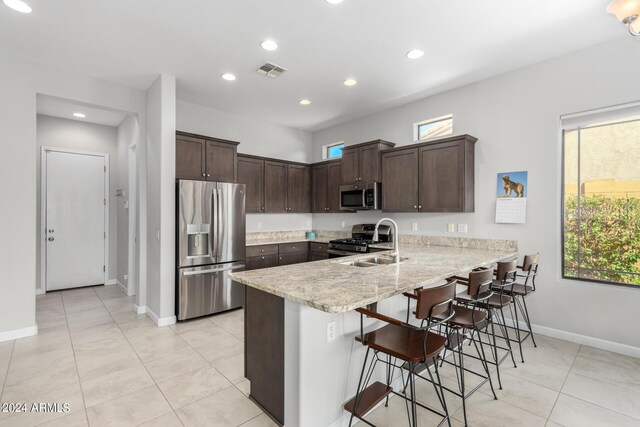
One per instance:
(264, 350)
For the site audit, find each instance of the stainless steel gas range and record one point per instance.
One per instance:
(360, 241)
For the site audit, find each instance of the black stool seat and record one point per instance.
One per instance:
(404, 342)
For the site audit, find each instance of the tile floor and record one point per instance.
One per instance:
(117, 368)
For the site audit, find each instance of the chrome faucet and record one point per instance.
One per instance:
(396, 238)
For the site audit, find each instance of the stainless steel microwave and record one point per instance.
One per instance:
(361, 197)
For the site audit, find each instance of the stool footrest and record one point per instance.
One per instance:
(371, 396)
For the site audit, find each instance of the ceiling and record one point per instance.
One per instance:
(130, 42)
(64, 109)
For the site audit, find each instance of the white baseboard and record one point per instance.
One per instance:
(140, 309)
(160, 321)
(18, 333)
(40, 291)
(123, 287)
(111, 282)
(614, 347)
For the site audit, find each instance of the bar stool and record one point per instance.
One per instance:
(471, 317)
(407, 343)
(519, 292)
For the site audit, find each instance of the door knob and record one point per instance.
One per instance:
(51, 239)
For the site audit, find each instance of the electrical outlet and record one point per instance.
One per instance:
(462, 228)
(342, 224)
(259, 225)
(331, 331)
(126, 277)
(414, 226)
(451, 228)
(158, 234)
(308, 224)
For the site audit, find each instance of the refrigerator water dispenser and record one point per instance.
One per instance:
(197, 240)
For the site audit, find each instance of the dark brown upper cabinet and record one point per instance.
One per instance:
(205, 158)
(319, 188)
(298, 188)
(251, 173)
(334, 178)
(361, 162)
(190, 154)
(435, 176)
(400, 180)
(221, 160)
(275, 187)
(326, 178)
(447, 175)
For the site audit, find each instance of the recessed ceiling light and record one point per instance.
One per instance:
(350, 82)
(229, 77)
(415, 54)
(334, 1)
(305, 102)
(79, 115)
(269, 45)
(18, 5)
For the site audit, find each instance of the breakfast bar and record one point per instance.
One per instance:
(300, 353)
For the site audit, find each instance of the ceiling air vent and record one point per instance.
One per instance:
(270, 70)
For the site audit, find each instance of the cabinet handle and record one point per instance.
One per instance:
(263, 257)
(263, 208)
(204, 174)
(261, 250)
(208, 175)
(293, 247)
(419, 207)
(415, 207)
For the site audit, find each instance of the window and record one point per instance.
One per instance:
(601, 196)
(333, 151)
(433, 128)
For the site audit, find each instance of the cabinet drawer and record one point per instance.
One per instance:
(319, 247)
(292, 258)
(253, 251)
(288, 248)
(265, 261)
(317, 256)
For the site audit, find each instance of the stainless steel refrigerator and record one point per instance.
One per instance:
(210, 245)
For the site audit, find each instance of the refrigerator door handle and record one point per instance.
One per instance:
(214, 224)
(213, 270)
(220, 223)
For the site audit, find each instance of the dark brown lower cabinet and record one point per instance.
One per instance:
(319, 256)
(264, 350)
(263, 261)
(293, 258)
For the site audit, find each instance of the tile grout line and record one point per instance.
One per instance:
(13, 346)
(75, 361)
(562, 386)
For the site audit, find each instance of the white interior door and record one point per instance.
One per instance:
(75, 221)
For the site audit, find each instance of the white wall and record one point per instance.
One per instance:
(76, 135)
(515, 117)
(160, 160)
(127, 136)
(20, 82)
(257, 138)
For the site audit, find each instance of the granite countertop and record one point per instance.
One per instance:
(278, 240)
(333, 287)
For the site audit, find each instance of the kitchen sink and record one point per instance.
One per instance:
(373, 261)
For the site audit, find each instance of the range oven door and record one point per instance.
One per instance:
(208, 289)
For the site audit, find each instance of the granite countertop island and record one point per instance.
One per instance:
(300, 374)
(334, 287)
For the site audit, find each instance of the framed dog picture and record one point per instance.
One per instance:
(511, 198)
(512, 184)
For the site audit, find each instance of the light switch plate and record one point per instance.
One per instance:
(414, 226)
(451, 228)
(462, 228)
(342, 224)
(259, 225)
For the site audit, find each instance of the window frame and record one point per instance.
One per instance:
(416, 127)
(326, 148)
(563, 276)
